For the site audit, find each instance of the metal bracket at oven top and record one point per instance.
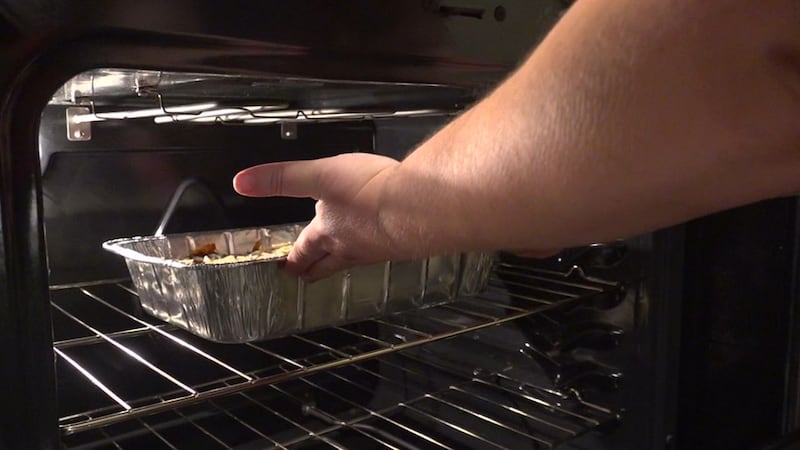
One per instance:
(78, 130)
(289, 130)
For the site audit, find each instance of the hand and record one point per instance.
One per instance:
(346, 230)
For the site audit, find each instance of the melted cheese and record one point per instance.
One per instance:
(259, 255)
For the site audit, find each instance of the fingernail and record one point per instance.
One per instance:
(242, 183)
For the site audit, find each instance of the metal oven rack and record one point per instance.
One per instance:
(130, 381)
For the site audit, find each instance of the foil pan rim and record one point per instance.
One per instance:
(116, 246)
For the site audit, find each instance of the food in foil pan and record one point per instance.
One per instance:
(208, 254)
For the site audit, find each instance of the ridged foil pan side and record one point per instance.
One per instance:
(257, 300)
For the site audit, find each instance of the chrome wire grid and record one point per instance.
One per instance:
(130, 381)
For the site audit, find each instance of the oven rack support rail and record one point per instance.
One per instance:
(83, 91)
(543, 291)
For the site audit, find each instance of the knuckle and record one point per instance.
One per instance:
(330, 175)
(319, 235)
(340, 249)
(299, 250)
(313, 235)
(275, 180)
(326, 242)
(306, 242)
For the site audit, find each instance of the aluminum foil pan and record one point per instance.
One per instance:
(258, 300)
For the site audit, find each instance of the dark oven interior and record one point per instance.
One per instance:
(546, 357)
(624, 345)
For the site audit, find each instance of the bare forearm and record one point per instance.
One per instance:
(632, 115)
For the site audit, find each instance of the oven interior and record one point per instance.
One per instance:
(557, 353)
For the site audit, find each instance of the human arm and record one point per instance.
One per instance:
(630, 116)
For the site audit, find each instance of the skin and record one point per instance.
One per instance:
(630, 116)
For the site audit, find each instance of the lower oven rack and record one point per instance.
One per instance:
(112, 327)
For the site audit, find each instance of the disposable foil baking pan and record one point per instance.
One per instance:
(258, 300)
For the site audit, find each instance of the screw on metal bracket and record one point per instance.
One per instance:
(78, 131)
(288, 130)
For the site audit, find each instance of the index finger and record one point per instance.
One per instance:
(281, 179)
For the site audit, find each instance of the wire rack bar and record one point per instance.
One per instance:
(128, 352)
(436, 398)
(403, 328)
(372, 413)
(358, 428)
(462, 389)
(564, 278)
(364, 337)
(561, 279)
(106, 436)
(361, 423)
(534, 399)
(84, 284)
(203, 430)
(244, 424)
(481, 381)
(88, 340)
(276, 355)
(336, 424)
(308, 432)
(169, 336)
(89, 376)
(157, 434)
(512, 409)
(568, 287)
(102, 411)
(543, 403)
(197, 397)
(509, 408)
